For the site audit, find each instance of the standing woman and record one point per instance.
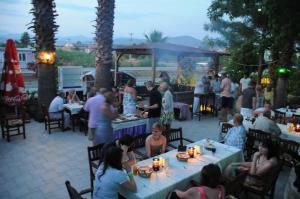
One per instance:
(129, 98)
(104, 131)
(259, 97)
(167, 114)
(110, 176)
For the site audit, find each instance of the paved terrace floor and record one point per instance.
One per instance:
(37, 167)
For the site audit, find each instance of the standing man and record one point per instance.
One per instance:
(248, 100)
(244, 82)
(199, 90)
(226, 100)
(93, 106)
(154, 107)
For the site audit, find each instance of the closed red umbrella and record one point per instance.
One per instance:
(12, 84)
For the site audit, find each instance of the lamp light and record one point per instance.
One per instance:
(47, 56)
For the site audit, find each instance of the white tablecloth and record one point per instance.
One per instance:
(288, 112)
(179, 174)
(285, 134)
(127, 124)
(73, 108)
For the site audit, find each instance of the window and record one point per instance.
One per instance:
(22, 57)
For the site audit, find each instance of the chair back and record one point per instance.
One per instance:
(73, 193)
(289, 151)
(173, 135)
(254, 138)
(225, 127)
(296, 119)
(140, 140)
(45, 112)
(280, 117)
(95, 157)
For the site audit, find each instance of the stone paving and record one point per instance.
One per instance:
(37, 167)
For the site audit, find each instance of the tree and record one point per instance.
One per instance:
(104, 35)
(25, 39)
(272, 25)
(44, 27)
(155, 37)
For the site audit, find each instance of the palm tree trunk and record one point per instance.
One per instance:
(44, 27)
(282, 81)
(104, 35)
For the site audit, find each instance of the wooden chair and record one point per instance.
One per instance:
(95, 157)
(12, 123)
(296, 119)
(83, 121)
(73, 193)
(268, 187)
(254, 137)
(52, 123)
(140, 142)
(280, 117)
(224, 129)
(234, 187)
(289, 151)
(174, 135)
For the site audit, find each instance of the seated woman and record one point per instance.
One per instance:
(156, 143)
(263, 162)
(110, 176)
(72, 97)
(125, 143)
(209, 185)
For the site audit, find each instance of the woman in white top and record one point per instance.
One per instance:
(129, 98)
(110, 176)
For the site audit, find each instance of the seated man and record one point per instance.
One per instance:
(55, 108)
(262, 110)
(236, 136)
(267, 125)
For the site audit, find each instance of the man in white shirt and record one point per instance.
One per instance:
(55, 108)
(264, 123)
(244, 82)
(199, 90)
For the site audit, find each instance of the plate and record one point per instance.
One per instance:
(182, 156)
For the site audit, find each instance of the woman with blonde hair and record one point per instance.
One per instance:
(129, 98)
(72, 97)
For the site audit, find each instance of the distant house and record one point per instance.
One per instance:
(26, 57)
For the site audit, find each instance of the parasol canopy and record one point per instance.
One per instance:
(12, 84)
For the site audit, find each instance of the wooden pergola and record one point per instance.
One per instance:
(154, 49)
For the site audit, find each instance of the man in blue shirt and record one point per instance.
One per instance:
(236, 136)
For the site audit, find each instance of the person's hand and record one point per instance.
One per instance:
(124, 148)
(256, 155)
(126, 166)
(146, 106)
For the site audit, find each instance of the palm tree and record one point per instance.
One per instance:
(104, 35)
(44, 27)
(155, 37)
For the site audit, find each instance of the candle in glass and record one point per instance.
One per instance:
(298, 127)
(155, 164)
(191, 152)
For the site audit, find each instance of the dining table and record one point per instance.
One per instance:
(177, 174)
(73, 108)
(285, 132)
(289, 112)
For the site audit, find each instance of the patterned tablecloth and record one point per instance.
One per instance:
(134, 127)
(74, 108)
(179, 174)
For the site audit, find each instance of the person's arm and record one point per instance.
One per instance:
(148, 147)
(253, 103)
(106, 110)
(131, 156)
(262, 169)
(129, 184)
(190, 193)
(164, 146)
(133, 92)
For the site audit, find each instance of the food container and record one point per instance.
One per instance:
(182, 156)
(145, 171)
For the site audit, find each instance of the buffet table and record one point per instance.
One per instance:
(178, 174)
(132, 127)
